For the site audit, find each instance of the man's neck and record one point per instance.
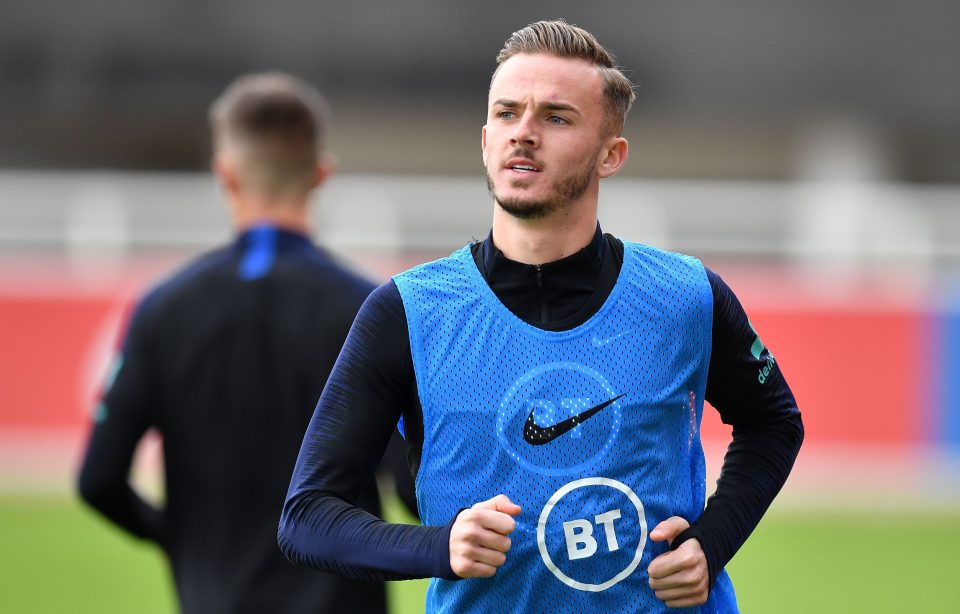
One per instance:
(546, 239)
(293, 216)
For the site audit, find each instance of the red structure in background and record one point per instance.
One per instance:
(48, 344)
(858, 369)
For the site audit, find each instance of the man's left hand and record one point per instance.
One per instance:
(680, 577)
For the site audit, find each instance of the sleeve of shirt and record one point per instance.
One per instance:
(120, 421)
(747, 388)
(368, 390)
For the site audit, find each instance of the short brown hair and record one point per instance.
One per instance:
(564, 40)
(276, 124)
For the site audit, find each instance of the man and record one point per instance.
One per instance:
(227, 359)
(550, 381)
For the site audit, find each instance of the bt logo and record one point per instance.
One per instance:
(579, 535)
(596, 552)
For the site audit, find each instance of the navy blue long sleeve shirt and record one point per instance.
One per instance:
(373, 385)
(226, 359)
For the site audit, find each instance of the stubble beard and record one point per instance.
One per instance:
(565, 192)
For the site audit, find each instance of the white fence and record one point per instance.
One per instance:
(845, 226)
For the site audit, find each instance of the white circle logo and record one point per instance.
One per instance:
(578, 533)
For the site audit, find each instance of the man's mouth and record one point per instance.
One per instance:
(522, 166)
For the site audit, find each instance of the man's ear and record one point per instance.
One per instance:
(483, 144)
(612, 156)
(326, 167)
(225, 169)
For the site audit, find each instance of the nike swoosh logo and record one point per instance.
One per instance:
(600, 342)
(537, 435)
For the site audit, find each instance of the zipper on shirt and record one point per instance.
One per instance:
(540, 294)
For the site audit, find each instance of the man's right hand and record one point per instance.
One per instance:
(478, 538)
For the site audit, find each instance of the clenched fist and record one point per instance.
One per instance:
(680, 577)
(478, 538)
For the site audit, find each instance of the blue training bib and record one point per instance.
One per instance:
(593, 431)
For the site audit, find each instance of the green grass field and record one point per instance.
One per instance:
(56, 556)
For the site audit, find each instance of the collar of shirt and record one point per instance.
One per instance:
(550, 293)
(586, 262)
(282, 238)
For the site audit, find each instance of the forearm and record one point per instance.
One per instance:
(756, 466)
(125, 508)
(102, 483)
(324, 532)
(320, 525)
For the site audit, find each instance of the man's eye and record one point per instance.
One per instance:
(506, 114)
(556, 119)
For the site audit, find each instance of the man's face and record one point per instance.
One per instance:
(544, 136)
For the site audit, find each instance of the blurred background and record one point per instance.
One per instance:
(809, 152)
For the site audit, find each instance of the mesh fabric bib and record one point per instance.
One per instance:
(593, 431)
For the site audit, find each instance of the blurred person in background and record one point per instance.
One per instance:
(226, 359)
(550, 381)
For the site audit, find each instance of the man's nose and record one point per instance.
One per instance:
(525, 133)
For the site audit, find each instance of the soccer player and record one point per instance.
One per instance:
(550, 381)
(227, 359)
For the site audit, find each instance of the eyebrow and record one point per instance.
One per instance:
(549, 106)
(561, 106)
